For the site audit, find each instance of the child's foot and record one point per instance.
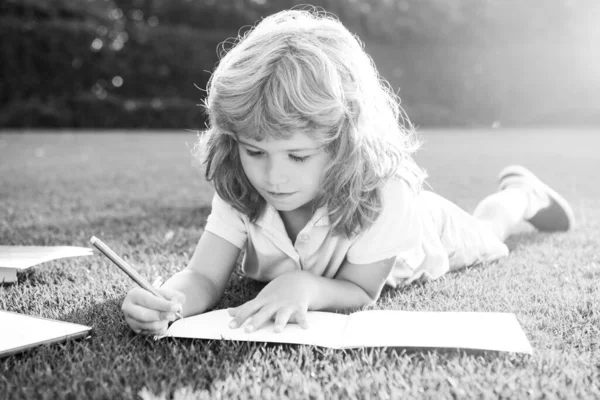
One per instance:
(547, 210)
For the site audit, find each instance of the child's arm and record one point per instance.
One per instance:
(288, 297)
(194, 289)
(203, 281)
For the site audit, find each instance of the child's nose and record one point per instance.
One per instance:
(277, 173)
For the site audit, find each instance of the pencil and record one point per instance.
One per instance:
(132, 273)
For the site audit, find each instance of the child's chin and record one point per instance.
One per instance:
(282, 207)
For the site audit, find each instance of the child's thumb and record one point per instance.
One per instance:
(172, 295)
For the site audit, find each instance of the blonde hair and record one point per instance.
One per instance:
(303, 71)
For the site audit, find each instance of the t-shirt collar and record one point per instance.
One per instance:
(270, 218)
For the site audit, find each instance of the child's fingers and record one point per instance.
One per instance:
(243, 312)
(153, 332)
(259, 318)
(173, 295)
(282, 318)
(144, 315)
(153, 328)
(232, 311)
(149, 300)
(145, 312)
(301, 318)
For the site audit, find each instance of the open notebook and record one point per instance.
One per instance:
(372, 328)
(13, 258)
(19, 332)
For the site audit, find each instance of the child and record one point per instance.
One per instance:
(315, 180)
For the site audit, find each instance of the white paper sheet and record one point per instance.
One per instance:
(21, 257)
(373, 328)
(19, 332)
(466, 330)
(324, 329)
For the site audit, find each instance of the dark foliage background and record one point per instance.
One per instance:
(144, 63)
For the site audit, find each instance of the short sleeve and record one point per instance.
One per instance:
(397, 231)
(227, 223)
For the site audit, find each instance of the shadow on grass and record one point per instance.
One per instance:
(443, 355)
(119, 226)
(33, 278)
(114, 362)
(526, 239)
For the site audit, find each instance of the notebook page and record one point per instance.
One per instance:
(468, 330)
(324, 329)
(21, 257)
(19, 331)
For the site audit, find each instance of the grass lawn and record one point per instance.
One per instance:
(141, 194)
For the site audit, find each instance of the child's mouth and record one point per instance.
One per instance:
(280, 195)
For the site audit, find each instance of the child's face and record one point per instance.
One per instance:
(286, 172)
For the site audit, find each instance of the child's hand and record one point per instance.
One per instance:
(285, 299)
(148, 314)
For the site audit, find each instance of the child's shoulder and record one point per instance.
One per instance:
(397, 190)
(398, 199)
(222, 207)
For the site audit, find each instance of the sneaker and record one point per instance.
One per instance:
(548, 211)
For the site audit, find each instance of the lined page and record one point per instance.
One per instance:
(325, 329)
(467, 330)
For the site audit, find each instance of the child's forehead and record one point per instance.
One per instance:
(288, 140)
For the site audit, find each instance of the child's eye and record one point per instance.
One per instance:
(299, 159)
(254, 153)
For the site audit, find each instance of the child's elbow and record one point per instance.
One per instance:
(371, 297)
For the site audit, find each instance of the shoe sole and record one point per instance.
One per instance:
(557, 217)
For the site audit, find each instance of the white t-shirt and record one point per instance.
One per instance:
(411, 228)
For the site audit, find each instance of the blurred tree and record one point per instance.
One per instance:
(144, 63)
(92, 64)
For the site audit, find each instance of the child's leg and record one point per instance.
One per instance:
(502, 211)
(523, 196)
